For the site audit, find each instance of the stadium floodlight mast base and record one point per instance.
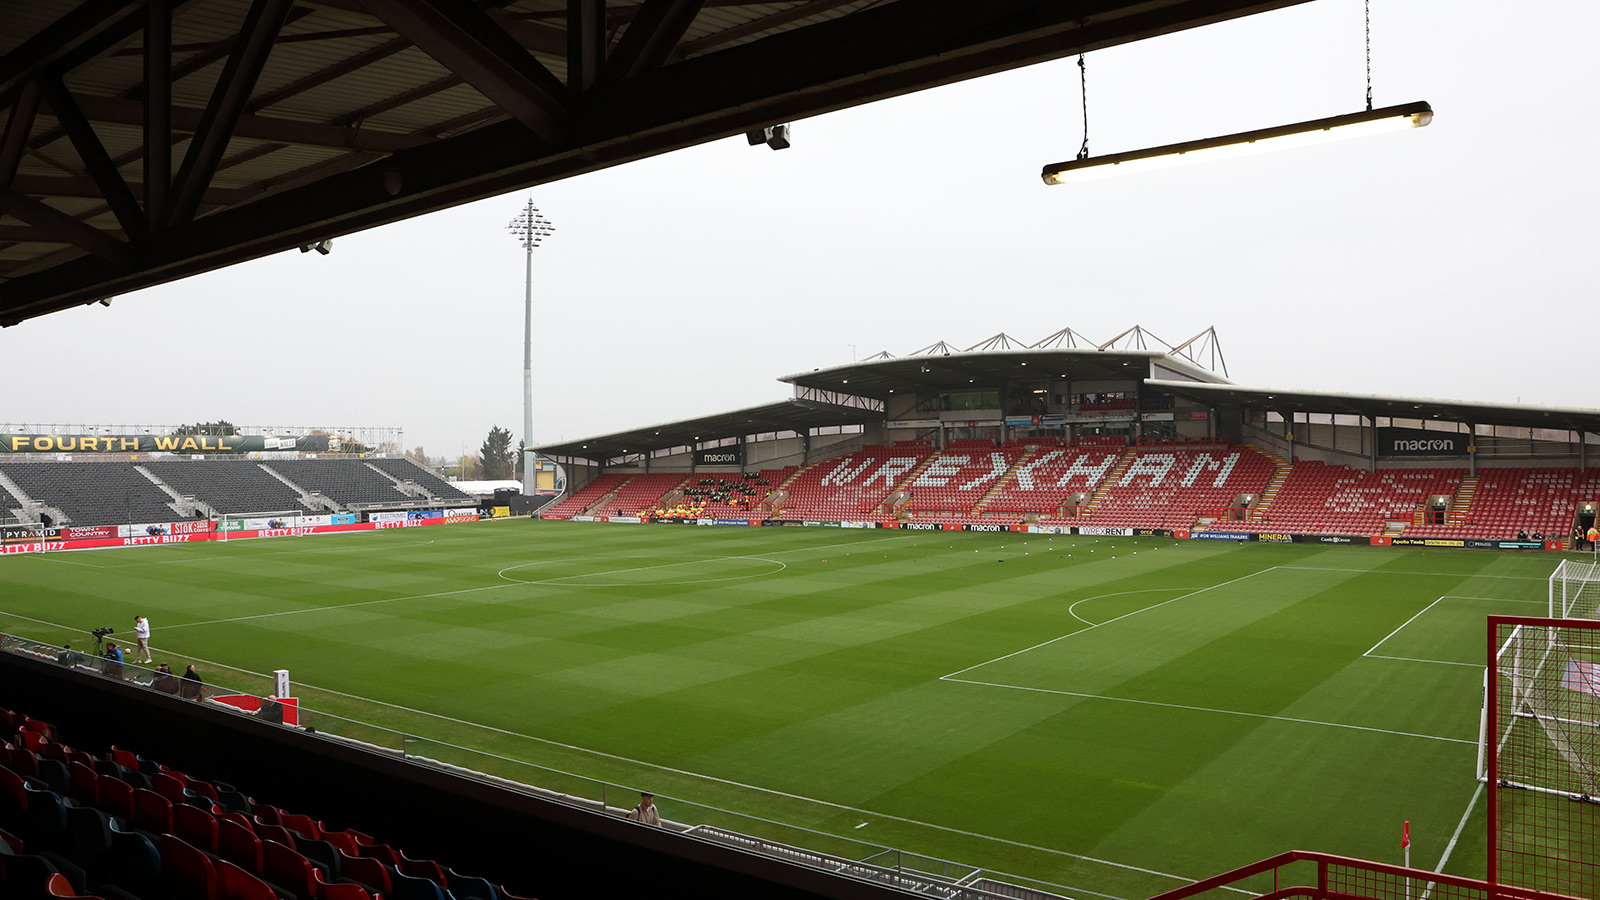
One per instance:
(530, 227)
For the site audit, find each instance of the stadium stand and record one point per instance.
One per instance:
(348, 482)
(1154, 487)
(91, 493)
(955, 480)
(406, 470)
(227, 486)
(73, 825)
(641, 492)
(853, 486)
(723, 496)
(1046, 478)
(588, 496)
(1319, 498)
(1504, 503)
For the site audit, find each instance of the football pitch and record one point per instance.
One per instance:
(1113, 715)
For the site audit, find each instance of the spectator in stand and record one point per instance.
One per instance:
(164, 681)
(646, 811)
(192, 685)
(69, 656)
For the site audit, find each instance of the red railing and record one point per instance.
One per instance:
(1344, 878)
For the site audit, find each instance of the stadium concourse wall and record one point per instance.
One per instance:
(15, 539)
(1207, 534)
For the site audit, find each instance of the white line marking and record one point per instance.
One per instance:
(1443, 662)
(1402, 625)
(1433, 574)
(1437, 662)
(1460, 826)
(295, 612)
(712, 778)
(1106, 622)
(1226, 712)
(1071, 610)
(55, 557)
(488, 587)
(562, 580)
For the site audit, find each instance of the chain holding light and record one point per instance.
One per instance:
(1369, 121)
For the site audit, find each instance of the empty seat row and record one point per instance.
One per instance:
(129, 829)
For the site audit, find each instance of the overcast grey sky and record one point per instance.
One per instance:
(1456, 260)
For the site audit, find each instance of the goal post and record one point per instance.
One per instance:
(24, 537)
(227, 525)
(1575, 590)
(1540, 747)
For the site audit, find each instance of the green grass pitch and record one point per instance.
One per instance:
(1113, 715)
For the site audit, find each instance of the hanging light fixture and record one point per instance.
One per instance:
(1358, 124)
(1244, 143)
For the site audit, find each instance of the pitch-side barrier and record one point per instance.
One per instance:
(1324, 876)
(836, 854)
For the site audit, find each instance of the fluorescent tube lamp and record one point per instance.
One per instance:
(1317, 131)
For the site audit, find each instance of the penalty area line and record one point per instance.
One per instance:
(1072, 610)
(1063, 637)
(1372, 654)
(1210, 709)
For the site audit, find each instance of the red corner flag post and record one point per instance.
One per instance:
(1405, 842)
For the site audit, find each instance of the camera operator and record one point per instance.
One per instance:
(113, 667)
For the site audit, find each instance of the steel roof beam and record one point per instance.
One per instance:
(463, 39)
(89, 25)
(831, 65)
(157, 109)
(323, 76)
(14, 140)
(756, 26)
(96, 161)
(586, 43)
(55, 225)
(263, 128)
(651, 37)
(228, 99)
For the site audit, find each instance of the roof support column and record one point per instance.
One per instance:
(1372, 434)
(1472, 449)
(744, 448)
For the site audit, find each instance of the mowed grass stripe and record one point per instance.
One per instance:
(822, 680)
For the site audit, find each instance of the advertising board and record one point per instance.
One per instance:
(720, 456)
(1417, 442)
(1220, 536)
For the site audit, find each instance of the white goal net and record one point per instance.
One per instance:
(1541, 746)
(1575, 590)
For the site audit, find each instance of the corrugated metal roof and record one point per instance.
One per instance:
(327, 98)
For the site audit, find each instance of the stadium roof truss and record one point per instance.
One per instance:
(1002, 359)
(788, 415)
(145, 140)
(1514, 415)
(859, 393)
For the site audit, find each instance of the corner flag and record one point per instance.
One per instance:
(1405, 836)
